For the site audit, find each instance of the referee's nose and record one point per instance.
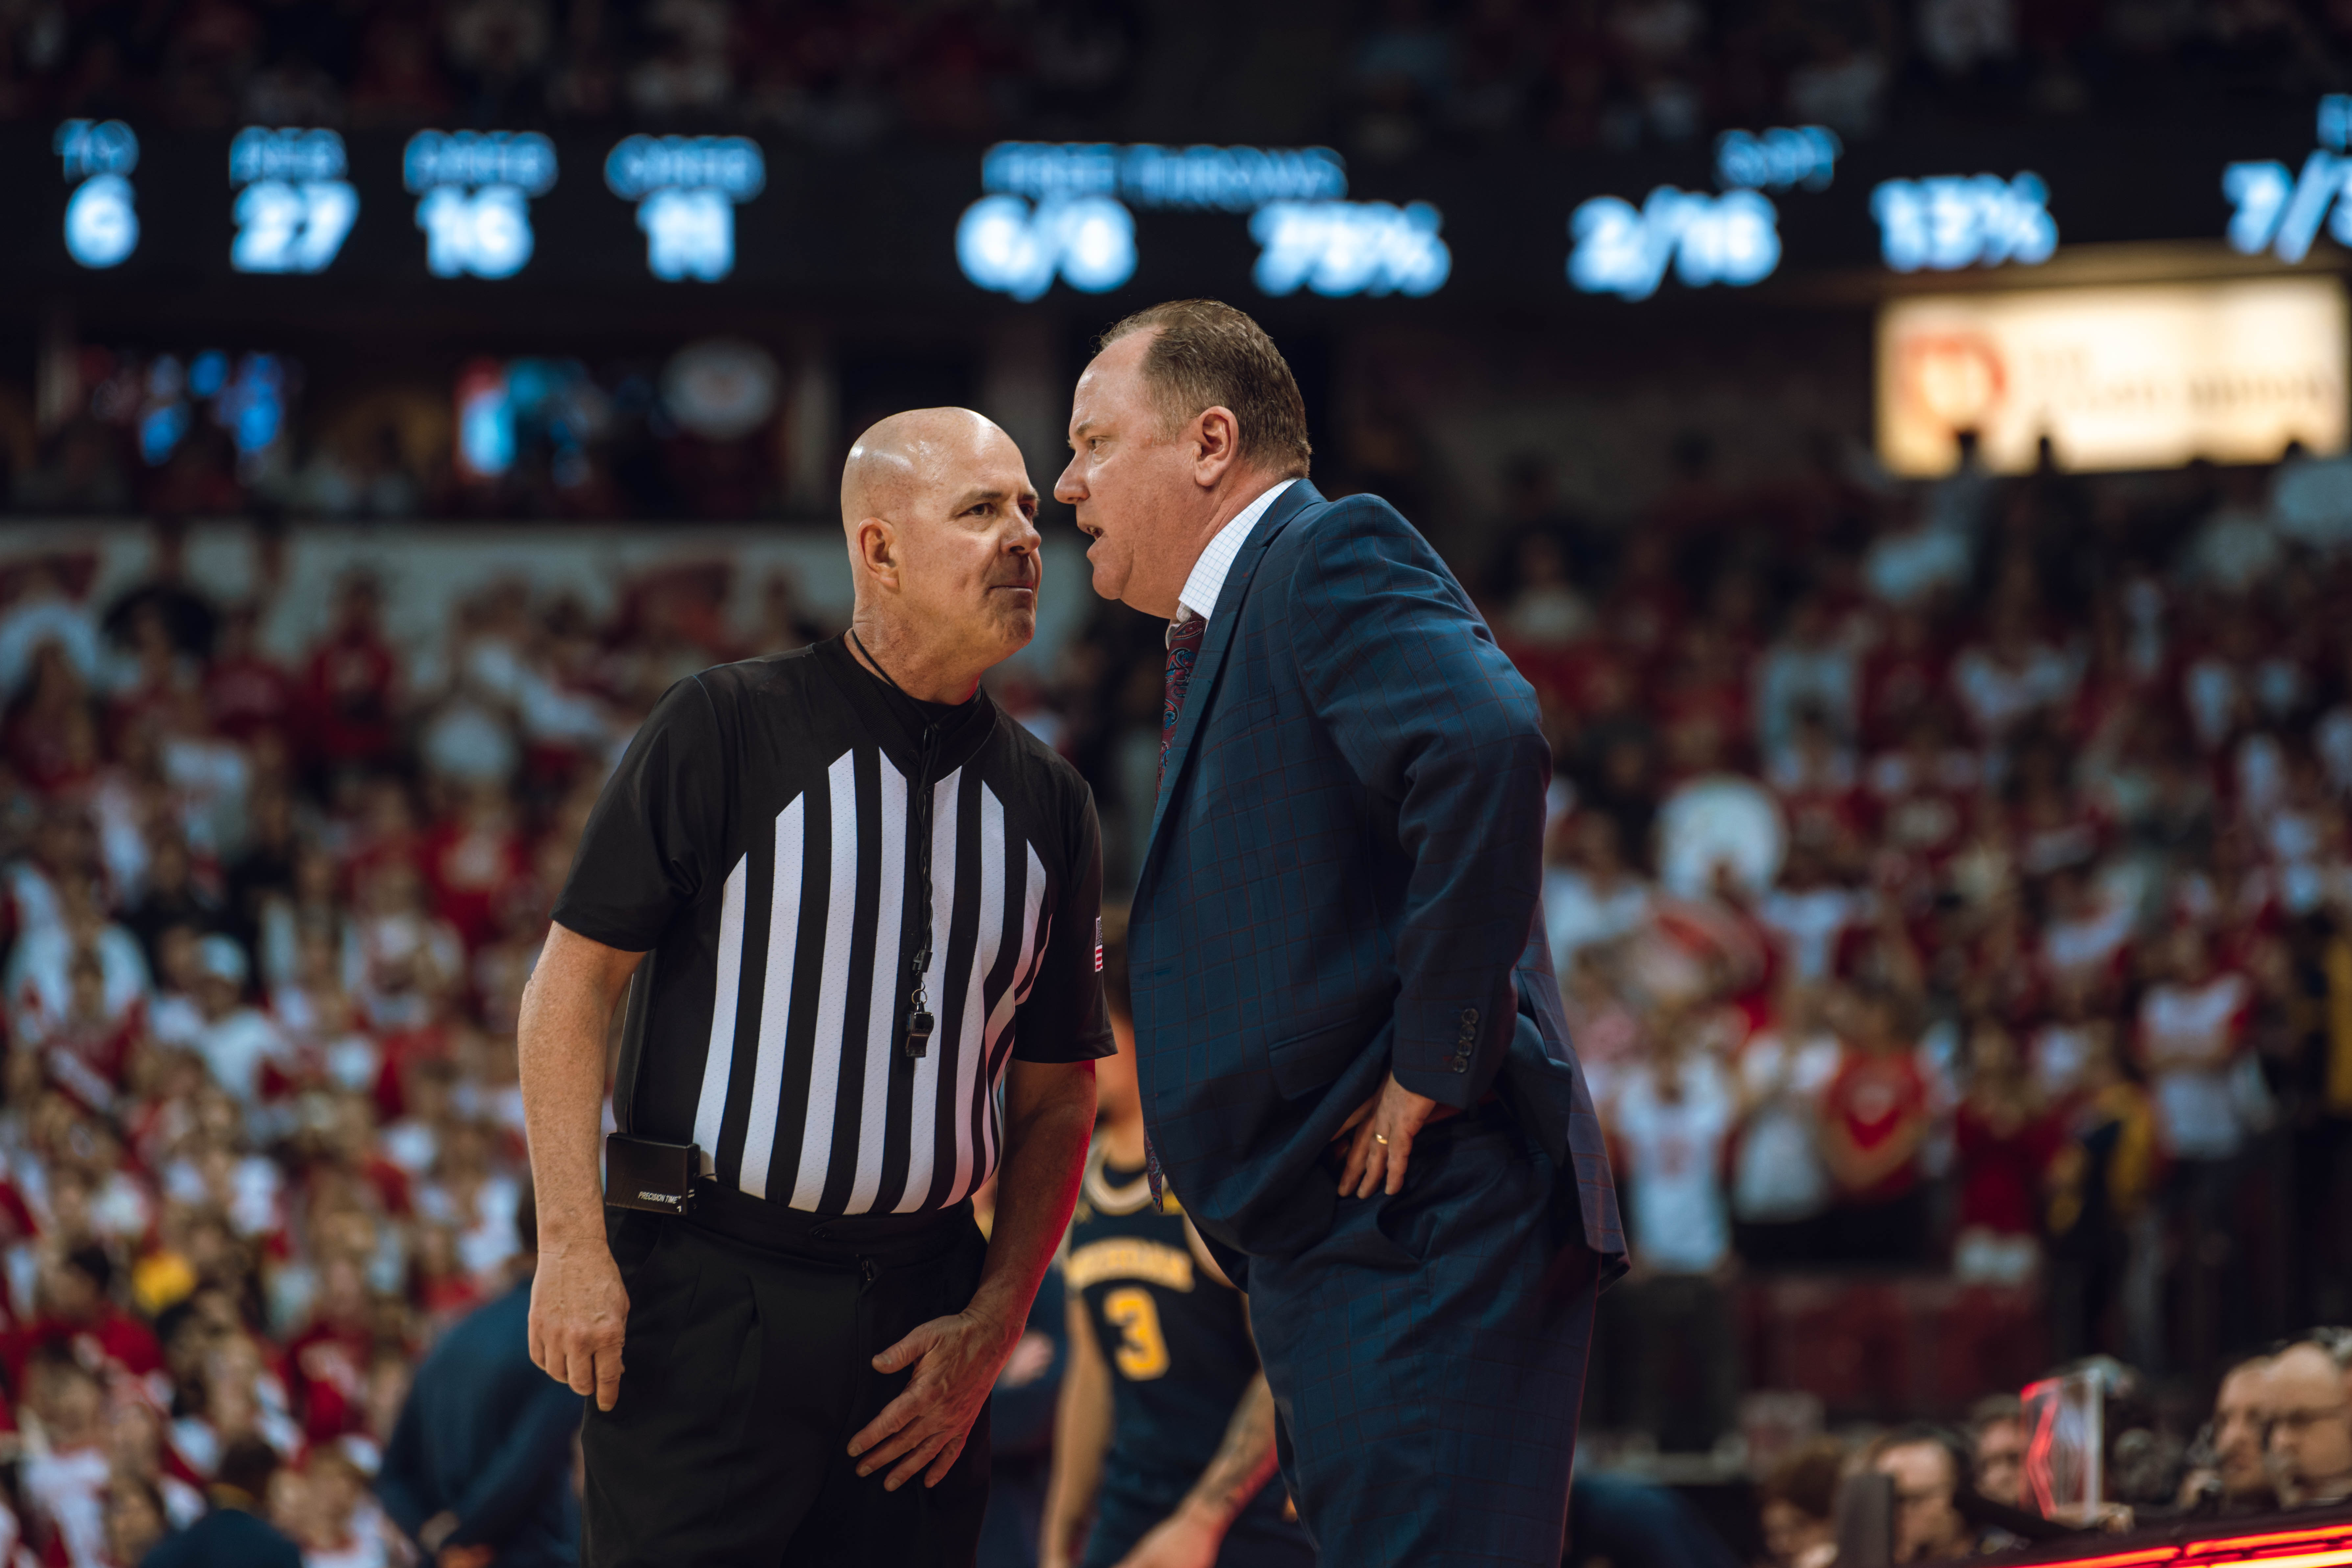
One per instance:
(1022, 541)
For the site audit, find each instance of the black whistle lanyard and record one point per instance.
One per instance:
(919, 1022)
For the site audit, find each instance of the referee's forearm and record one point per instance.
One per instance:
(567, 1010)
(1051, 1117)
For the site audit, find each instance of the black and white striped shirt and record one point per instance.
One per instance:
(757, 839)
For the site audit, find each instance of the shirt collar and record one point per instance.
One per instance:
(1208, 578)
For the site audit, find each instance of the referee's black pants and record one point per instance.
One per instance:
(748, 1365)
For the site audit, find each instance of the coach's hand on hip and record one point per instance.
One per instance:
(1384, 1128)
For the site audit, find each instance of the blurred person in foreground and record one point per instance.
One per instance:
(478, 1469)
(235, 1533)
(1797, 1506)
(1930, 1470)
(2232, 1478)
(1166, 1431)
(818, 849)
(2308, 1406)
(1347, 1031)
(1996, 1448)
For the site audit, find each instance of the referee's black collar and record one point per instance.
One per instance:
(896, 720)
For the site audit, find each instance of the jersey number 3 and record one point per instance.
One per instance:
(1142, 1352)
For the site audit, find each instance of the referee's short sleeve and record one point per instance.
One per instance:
(1064, 1019)
(657, 830)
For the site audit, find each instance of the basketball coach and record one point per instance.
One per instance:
(1355, 1071)
(863, 899)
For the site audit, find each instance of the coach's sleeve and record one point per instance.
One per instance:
(1063, 1018)
(656, 829)
(1436, 722)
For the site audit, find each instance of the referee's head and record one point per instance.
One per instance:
(942, 522)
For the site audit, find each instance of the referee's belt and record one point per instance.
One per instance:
(890, 1240)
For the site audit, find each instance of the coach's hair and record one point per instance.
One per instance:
(1209, 355)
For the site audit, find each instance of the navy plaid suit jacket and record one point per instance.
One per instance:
(1344, 876)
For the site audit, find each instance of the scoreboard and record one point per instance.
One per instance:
(113, 205)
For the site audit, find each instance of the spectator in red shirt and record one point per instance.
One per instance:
(246, 692)
(2005, 1142)
(353, 685)
(80, 1320)
(1875, 1119)
(327, 1362)
(473, 860)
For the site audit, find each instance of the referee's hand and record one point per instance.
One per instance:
(579, 1315)
(956, 1361)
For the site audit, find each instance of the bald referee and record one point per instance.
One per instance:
(858, 902)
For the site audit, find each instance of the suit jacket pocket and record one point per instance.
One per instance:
(1304, 1063)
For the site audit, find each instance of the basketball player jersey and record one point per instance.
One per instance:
(1175, 1340)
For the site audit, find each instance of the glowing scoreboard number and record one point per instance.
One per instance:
(1066, 211)
(293, 205)
(102, 213)
(2279, 210)
(1951, 221)
(1003, 244)
(687, 189)
(1619, 248)
(1341, 248)
(475, 189)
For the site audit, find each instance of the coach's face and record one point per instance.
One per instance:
(1135, 483)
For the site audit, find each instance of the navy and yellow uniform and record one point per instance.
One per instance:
(1180, 1355)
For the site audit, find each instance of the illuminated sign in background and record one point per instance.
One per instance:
(101, 215)
(293, 206)
(1055, 210)
(477, 187)
(2118, 378)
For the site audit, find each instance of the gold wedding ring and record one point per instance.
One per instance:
(1381, 1139)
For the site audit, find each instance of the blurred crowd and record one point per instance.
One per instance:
(1945, 880)
(267, 927)
(1379, 78)
(1956, 878)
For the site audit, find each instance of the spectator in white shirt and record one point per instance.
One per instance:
(1808, 669)
(2009, 678)
(2192, 1029)
(2191, 1025)
(1591, 897)
(1673, 1119)
(238, 1042)
(1780, 1187)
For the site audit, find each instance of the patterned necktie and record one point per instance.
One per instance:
(1183, 649)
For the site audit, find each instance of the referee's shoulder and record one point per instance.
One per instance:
(766, 675)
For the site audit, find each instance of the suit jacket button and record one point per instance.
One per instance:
(1461, 1064)
(1469, 1018)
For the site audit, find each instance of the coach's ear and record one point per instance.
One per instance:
(1216, 444)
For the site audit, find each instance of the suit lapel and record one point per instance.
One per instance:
(1219, 637)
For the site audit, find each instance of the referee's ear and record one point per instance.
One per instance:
(873, 550)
